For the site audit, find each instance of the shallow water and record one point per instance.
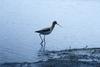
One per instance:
(20, 18)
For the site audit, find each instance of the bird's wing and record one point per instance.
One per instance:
(43, 30)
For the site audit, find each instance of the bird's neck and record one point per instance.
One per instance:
(52, 27)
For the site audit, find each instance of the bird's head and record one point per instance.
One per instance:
(55, 22)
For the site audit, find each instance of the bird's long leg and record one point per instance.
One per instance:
(41, 40)
(44, 41)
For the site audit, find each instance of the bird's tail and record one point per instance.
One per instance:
(36, 31)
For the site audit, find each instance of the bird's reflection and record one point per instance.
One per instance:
(42, 49)
(42, 54)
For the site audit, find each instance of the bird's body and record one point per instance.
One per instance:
(46, 31)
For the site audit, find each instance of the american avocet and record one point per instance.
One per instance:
(46, 31)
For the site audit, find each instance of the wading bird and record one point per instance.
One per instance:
(46, 31)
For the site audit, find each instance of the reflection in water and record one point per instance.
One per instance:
(43, 54)
(42, 49)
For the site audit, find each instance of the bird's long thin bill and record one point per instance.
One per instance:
(59, 25)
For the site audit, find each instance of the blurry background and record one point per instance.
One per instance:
(20, 18)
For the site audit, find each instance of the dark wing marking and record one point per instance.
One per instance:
(43, 30)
